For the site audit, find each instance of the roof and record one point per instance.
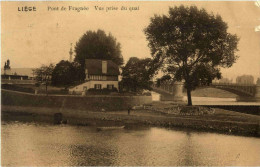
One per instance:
(94, 67)
(19, 71)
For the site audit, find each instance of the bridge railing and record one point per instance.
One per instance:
(249, 89)
(232, 84)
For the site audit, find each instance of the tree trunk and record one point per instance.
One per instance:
(189, 96)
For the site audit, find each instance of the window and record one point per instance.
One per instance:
(110, 86)
(97, 86)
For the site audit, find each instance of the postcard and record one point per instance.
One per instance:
(130, 83)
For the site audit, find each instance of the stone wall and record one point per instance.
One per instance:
(94, 102)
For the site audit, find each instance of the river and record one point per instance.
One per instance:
(40, 144)
(209, 100)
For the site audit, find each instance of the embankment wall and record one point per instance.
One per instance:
(93, 102)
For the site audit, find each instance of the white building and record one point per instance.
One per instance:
(99, 74)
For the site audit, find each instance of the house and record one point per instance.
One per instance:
(10, 74)
(245, 79)
(99, 74)
(17, 73)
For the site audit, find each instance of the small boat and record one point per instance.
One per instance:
(110, 128)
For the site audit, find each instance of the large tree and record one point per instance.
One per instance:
(137, 74)
(98, 45)
(43, 75)
(191, 45)
(65, 73)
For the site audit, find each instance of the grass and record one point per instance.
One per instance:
(222, 121)
(219, 115)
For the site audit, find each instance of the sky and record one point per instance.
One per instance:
(33, 38)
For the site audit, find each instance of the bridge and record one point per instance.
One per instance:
(174, 91)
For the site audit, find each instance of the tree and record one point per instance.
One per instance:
(137, 74)
(65, 73)
(191, 45)
(98, 45)
(43, 75)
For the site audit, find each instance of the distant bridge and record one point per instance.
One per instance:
(239, 89)
(174, 91)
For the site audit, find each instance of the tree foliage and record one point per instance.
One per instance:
(191, 45)
(137, 74)
(43, 75)
(65, 73)
(98, 45)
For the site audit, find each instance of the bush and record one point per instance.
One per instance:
(196, 110)
(54, 92)
(104, 91)
(37, 84)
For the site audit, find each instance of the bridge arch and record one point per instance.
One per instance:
(233, 91)
(173, 91)
(170, 91)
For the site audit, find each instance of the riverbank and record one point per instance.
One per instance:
(74, 102)
(222, 121)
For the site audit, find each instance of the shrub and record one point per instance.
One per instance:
(37, 84)
(104, 91)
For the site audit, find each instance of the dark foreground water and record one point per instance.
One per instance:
(30, 144)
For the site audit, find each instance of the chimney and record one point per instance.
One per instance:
(104, 67)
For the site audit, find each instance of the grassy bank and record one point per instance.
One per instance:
(92, 102)
(222, 121)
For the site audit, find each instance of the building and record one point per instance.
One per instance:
(245, 79)
(99, 74)
(17, 73)
(8, 73)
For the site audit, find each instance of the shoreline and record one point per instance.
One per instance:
(136, 118)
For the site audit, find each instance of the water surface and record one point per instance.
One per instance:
(31, 144)
(210, 100)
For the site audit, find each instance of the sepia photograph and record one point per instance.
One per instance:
(130, 83)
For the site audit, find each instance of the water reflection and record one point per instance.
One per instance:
(28, 144)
